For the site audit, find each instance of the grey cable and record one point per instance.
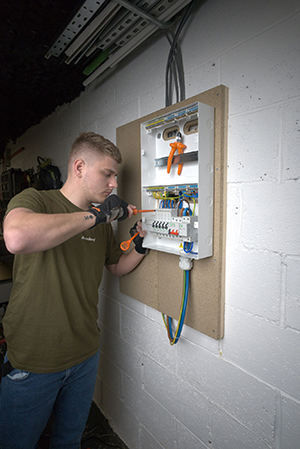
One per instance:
(174, 67)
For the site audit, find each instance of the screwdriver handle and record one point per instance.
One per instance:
(125, 245)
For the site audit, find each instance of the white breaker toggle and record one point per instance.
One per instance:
(166, 224)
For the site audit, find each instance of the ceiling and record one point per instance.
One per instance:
(31, 86)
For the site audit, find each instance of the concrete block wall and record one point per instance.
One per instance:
(242, 391)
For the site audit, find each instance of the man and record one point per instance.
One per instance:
(61, 243)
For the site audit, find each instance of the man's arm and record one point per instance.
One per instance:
(26, 232)
(127, 263)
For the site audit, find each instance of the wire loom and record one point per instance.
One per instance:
(168, 320)
(172, 202)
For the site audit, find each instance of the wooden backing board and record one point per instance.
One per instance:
(158, 280)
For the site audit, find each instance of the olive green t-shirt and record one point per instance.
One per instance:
(51, 320)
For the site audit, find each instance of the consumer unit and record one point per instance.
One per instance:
(177, 176)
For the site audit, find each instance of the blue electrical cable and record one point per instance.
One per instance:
(187, 282)
(170, 327)
(188, 250)
(195, 195)
(185, 211)
(182, 317)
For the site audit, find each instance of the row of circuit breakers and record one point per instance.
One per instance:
(177, 177)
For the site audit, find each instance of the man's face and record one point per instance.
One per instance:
(100, 178)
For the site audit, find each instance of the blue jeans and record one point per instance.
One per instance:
(28, 399)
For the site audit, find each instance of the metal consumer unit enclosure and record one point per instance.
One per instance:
(177, 176)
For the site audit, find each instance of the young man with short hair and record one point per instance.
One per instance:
(61, 242)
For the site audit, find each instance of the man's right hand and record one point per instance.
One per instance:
(113, 208)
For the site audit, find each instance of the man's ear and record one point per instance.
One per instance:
(78, 167)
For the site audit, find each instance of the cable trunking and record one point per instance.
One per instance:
(177, 176)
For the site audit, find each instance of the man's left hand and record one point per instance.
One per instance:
(138, 240)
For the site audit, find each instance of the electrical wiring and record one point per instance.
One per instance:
(174, 67)
(174, 71)
(179, 209)
(194, 195)
(159, 196)
(193, 198)
(168, 320)
(156, 195)
(167, 327)
(169, 201)
(194, 201)
(187, 250)
(182, 315)
(164, 318)
(170, 68)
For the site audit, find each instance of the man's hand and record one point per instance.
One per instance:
(113, 208)
(131, 259)
(138, 240)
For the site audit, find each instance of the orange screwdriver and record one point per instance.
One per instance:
(135, 211)
(125, 245)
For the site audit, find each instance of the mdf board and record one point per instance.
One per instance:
(158, 280)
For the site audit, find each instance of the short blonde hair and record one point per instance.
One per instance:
(89, 141)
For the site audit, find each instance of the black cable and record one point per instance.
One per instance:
(173, 72)
(181, 25)
(173, 55)
(173, 75)
(174, 78)
(174, 67)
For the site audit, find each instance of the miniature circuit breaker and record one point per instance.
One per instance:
(177, 176)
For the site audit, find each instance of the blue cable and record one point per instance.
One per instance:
(170, 327)
(191, 196)
(187, 283)
(185, 249)
(185, 211)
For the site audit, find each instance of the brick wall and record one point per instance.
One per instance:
(243, 391)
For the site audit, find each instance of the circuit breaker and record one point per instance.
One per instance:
(177, 177)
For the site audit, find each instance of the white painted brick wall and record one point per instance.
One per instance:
(290, 423)
(292, 293)
(243, 391)
(291, 140)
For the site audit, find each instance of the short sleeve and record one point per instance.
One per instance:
(30, 199)
(113, 252)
